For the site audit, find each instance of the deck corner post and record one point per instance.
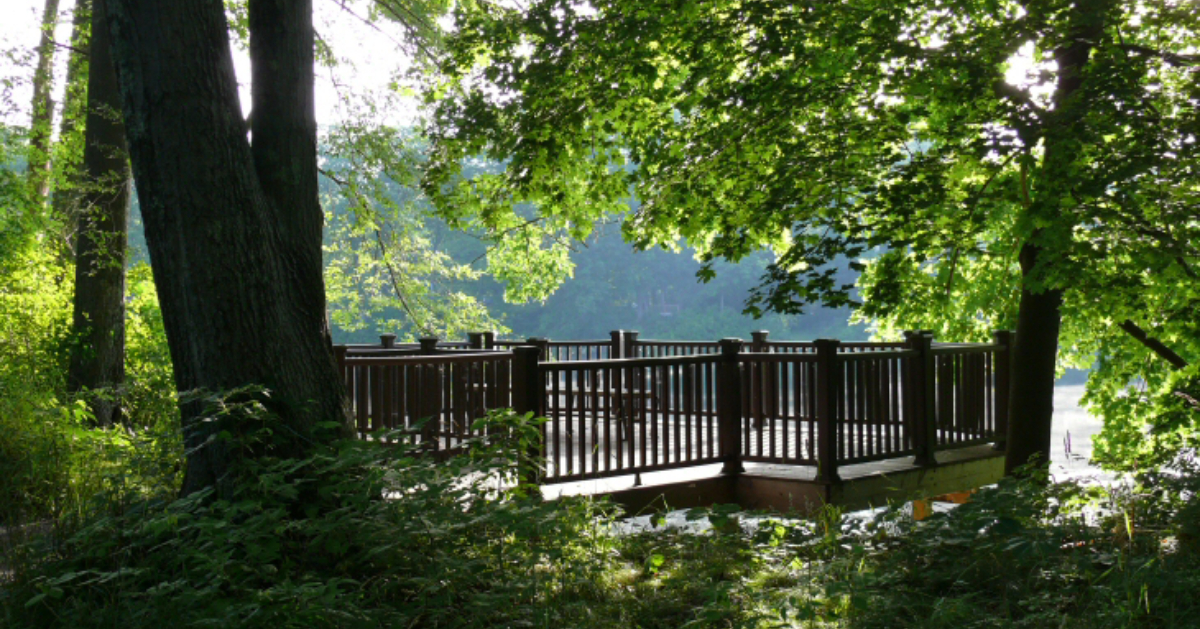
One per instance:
(340, 352)
(479, 340)
(543, 346)
(428, 345)
(387, 341)
(924, 424)
(617, 348)
(527, 391)
(631, 341)
(829, 389)
(729, 406)
(1003, 371)
(759, 340)
(339, 355)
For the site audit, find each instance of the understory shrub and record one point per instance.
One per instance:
(367, 534)
(358, 534)
(1023, 553)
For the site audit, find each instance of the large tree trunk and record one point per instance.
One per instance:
(241, 300)
(285, 142)
(1031, 401)
(98, 356)
(43, 105)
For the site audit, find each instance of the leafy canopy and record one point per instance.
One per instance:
(929, 141)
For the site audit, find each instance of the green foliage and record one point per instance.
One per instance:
(358, 534)
(363, 534)
(385, 261)
(35, 306)
(53, 465)
(148, 397)
(1022, 554)
(901, 132)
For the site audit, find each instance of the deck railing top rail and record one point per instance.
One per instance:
(625, 344)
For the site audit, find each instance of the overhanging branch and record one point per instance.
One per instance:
(1153, 344)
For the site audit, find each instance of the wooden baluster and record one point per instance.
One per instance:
(375, 415)
(360, 401)
(554, 449)
(387, 372)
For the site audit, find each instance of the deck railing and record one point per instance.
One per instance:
(652, 407)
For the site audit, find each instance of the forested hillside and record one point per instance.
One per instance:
(613, 286)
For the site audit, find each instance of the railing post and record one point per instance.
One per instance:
(829, 394)
(475, 340)
(428, 345)
(339, 356)
(527, 393)
(489, 339)
(543, 345)
(387, 341)
(1003, 370)
(924, 423)
(729, 406)
(631, 341)
(759, 340)
(617, 344)
(760, 393)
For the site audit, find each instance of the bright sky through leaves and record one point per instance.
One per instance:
(369, 58)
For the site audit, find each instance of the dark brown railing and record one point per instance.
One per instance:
(617, 417)
(823, 403)
(431, 400)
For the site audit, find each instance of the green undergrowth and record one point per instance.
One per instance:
(363, 535)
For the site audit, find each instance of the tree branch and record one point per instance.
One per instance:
(1171, 58)
(1153, 344)
(73, 49)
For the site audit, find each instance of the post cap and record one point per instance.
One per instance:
(387, 340)
(730, 345)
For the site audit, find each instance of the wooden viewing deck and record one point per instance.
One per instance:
(765, 424)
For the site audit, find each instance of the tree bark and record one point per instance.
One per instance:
(43, 105)
(285, 141)
(1039, 315)
(238, 289)
(98, 355)
(1031, 393)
